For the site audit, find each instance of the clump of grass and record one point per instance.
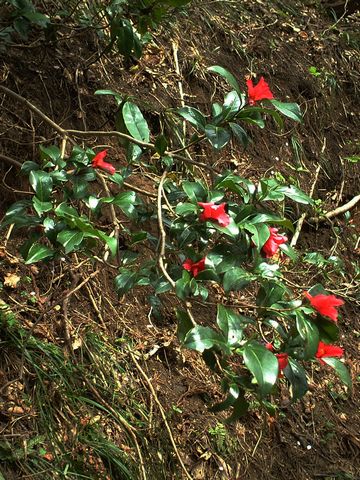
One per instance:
(67, 431)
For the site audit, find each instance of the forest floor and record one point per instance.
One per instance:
(102, 416)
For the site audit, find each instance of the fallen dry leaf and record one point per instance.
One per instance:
(11, 280)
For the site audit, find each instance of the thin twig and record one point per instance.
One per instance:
(162, 232)
(114, 219)
(303, 216)
(162, 412)
(10, 160)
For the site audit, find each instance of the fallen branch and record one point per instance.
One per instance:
(93, 133)
(337, 211)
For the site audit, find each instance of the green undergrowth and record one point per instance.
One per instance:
(75, 409)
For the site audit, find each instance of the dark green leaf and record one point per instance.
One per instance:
(51, 153)
(240, 134)
(269, 293)
(125, 281)
(135, 122)
(161, 144)
(70, 239)
(126, 201)
(260, 233)
(28, 166)
(329, 331)
(186, 208)
(217, 136)
(38, 252)
(263, 365)
(291, 110)
(236, 278)
(200, 338)
(229, 77)
(184, 324)
(296, 194)
(194, 190)
(41, 183)
(193, 116)
(340, 369)
(41, 207)
(240, 408)
(296, 375)
(309, 333)
(231, 325)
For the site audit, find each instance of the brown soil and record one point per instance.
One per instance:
(319, 436)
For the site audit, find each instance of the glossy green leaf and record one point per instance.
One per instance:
(125, 281)
(193, 116)
(217, 136)
(42, 184)
(184, 324)
(236, 278)
(186, 208)
(38, 252)
(116, 95)
(263, 365)
(329, 330)
(260, 233)
(194, 190)
(291, 110)
(135, 122)
(229, 77)
(296, 375)
(70, 239)
(51, 153)
(309, 333)
(231, 325)
(240, 134)
(340, 369)
(41, 207)
(28, 166)
(126, 201)
(240, 408)
(296, 194)
(201, 338)
(270, 292)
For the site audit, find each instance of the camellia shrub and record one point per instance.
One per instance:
(217, 235)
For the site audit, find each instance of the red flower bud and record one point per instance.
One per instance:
(194, 267)
(325, 350)
(270, 346)
(272, 244)
(258, 92)
(283, 359)
(325, 304)
(214, 212)
(98, 162)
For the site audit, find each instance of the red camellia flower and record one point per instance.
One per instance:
(272, 244)
(194, 267)
(325, 350)
(98, 162)
(258, 92)
(325, 304)
(214, 212)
